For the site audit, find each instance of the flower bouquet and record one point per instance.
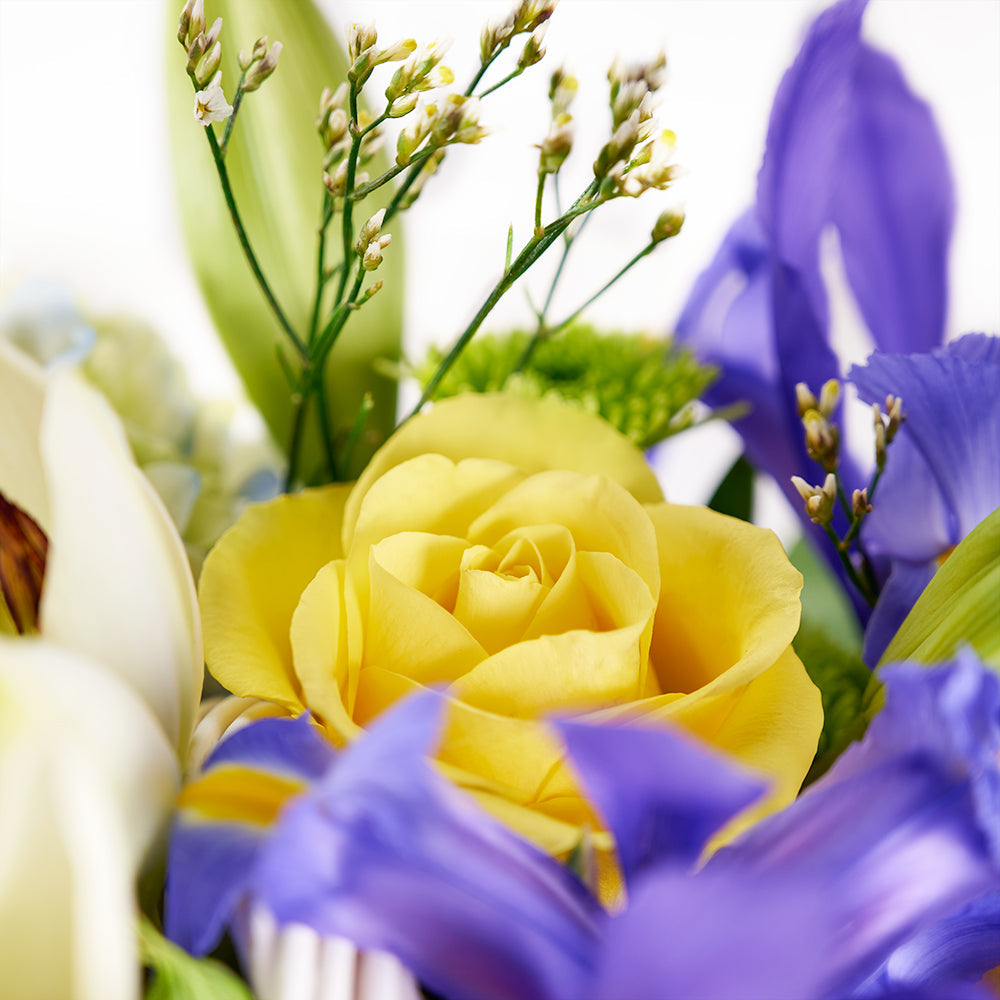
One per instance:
(487, 715)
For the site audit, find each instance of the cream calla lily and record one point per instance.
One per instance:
(117, 583)
(97, 713)
(85, 776)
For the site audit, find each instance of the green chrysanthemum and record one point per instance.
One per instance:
(642, 386)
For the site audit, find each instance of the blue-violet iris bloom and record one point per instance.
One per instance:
(849, 148)
(858, 889)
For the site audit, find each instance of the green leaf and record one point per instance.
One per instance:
(842, 679)
(960, 606)
(275, 164)
(176, 975)
(734, 495)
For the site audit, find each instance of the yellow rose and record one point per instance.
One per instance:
(518, 554)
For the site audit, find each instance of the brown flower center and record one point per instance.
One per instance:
(23, 548)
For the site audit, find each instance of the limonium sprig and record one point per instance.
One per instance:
(822, 438)
(635, 159)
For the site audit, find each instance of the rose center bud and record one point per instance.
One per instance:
(23, 547)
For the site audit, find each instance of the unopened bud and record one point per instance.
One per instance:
(894, 409)
(184, 23)
(374, 289)
(530, 14)
(667, 225)
(263, 68)
(208, 66)
(880, 437)
(243, 60)
(369, 231)
(197, 22)
(360, 37)
(829, 396)
(260, 48)
(819, 500)
(403, 105)
(859, 503)
(372, 256)
(212, 35)
(533, 51)
(804, 399)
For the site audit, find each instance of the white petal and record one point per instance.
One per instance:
(117, 583)
(86, 779)
(22, 393)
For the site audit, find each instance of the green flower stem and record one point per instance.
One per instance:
(417, 161)
(538, 199)
(544, 331)
(321, 275)
(533, 249)
(852, 573)
(323, 415)
(364, 410)
(231, 121)
(300, 402)
(251, 257)
(347, 228)
(496, 86)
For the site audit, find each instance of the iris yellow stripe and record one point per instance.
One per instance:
(239, 794)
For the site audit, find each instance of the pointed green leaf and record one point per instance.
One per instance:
(178, 976)
(960, 606)
(734, 495)
(275, 164)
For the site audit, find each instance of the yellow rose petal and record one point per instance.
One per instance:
(729, 600)
(599, 514)
(772, 726)
(319, 651)
(251, 584)
(530, 434)
(429, 494)
(412, 635)
(496, 609)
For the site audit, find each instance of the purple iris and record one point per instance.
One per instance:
(855, 890)
(943, 475)
(851, 149)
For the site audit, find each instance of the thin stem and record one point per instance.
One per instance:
(323, 416)
(845, 560)
(496, 86)
(251, 257)
(347, 228)
(231, 121)
(533, 249)
(648, 249)
(418, 160)
(544, 332)
(538, 200)
(326, 215)
(301, 404)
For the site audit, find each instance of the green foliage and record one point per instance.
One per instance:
(829, 645)
(274, 160)
(959, 606)
(842, 679)
(638, 384)
(178, 976)
(734, 495)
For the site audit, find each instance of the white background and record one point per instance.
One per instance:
(86, 188)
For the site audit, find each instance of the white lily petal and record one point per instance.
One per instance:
(117, 583)
(22, 394)
(47, 691)
(87, 777)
